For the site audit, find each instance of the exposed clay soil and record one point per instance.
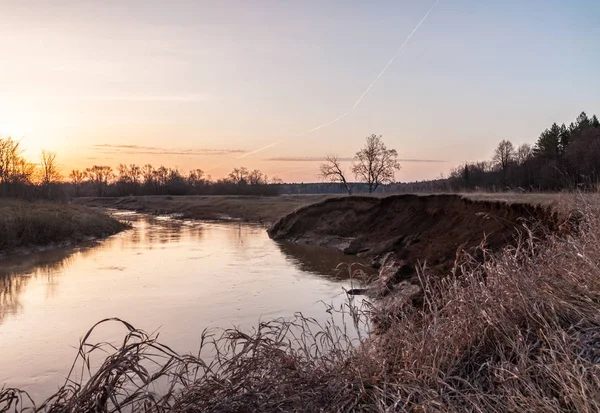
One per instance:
(432, 229)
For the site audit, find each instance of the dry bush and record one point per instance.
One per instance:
(519, 332)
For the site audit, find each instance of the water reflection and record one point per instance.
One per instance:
(164, 274)
(330, 264)
(16, 272)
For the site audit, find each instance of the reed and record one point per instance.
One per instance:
(518, 331)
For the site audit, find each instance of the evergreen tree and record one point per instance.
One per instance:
(548, 144)
(564, 138)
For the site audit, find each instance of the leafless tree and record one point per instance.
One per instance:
(100, 177)
(239, 175)
(332, 171)
(77, 178)
(14, 169)
(148, 174)
(256, 177)
(375, 164)
(135, 174)
(523, 153)
(161, 176)
(196, 178)
(503, 156)
(49, 168)
(49, 171)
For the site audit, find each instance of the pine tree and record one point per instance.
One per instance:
(548, 144)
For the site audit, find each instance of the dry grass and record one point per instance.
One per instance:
(258, 209)
(519, 332)
(25, 224)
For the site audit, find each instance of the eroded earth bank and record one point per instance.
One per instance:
(404, 232)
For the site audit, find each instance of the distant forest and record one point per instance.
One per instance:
(563, 157)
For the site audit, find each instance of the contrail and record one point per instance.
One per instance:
(261, 149)
(343, 115)
(396, 54)
(385, 68)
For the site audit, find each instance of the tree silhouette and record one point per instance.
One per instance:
(100, 177)
(77, 178)
(375, 164)
(503, 156)
(332, 171)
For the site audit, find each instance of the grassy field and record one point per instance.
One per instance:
(517, 332)
(27, 224)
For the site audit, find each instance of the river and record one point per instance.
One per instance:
(164, 275)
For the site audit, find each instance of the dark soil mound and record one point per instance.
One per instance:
(432, 229)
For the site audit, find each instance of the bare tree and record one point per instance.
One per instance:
(135, 173)
(503, 156)
(128, 179)
(49, 171)
(196, 178)
(375, 164)
(256, 177)
(14, 169)
(523, 153)
(332, 171)
(239, 175)
(77, 177)
(100, 177)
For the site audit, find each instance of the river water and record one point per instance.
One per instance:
(164, 275)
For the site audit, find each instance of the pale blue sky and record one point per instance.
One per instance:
(240, 75)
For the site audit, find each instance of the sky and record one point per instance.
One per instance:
(207, 84)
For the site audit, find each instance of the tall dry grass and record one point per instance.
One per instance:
(24, 224)
(519, 332)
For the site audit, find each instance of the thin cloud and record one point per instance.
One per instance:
(322, 158)
(154, 98)
(154, 150)
(184, 98)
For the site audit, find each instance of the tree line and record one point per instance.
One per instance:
(22, 178)
(562, 157)
(147, 180)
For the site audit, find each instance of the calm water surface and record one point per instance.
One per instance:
(164, 275)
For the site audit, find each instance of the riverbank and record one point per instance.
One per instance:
(256, 209)
(518, 331)
(412, 229)
(260, 209)
(30, 224)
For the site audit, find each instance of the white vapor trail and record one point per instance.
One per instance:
(385, 68)
(261, 149)
(344, 114)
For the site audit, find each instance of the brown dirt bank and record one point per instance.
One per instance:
(28, 224)
(264, 210)
(432, 229)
